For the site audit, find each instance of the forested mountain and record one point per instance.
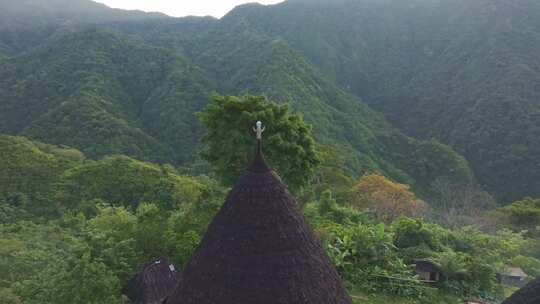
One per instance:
(461, 72)
(104, 93)
(44, 180)
(29, 170)
(102, 112)
(25, 24)
(240, 61)
(97, 91)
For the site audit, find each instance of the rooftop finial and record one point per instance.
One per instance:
(259, 129)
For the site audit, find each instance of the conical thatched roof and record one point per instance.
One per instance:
(529, 294)
(153, 283)
(260, 250)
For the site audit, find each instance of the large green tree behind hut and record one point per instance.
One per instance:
(229, 139)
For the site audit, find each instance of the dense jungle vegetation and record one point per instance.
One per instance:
(406, 130)
(462, 73)
(74, 229)
(71, 226)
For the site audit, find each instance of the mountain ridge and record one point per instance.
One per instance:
(462, 72)
(405, 60)
(144, 98)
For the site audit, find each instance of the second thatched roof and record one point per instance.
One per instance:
(153, 283)
(529, 294)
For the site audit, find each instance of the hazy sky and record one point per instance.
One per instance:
(179, 8)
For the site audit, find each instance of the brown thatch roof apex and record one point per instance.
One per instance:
(260, 250)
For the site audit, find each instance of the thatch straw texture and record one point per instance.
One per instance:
(260, 250)
(529, 294)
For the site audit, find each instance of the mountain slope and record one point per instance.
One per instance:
(43, 180)
(103, 93)
(464, 72)
(25, 24)
(99, 92)
(29, 170)
(241, 61)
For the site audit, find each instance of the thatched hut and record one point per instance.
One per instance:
(153, 283)
(260, 250)
(513, 276)
(530, 294)
(428, 271)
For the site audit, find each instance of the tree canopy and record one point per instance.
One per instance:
(388, 199)
(287, 140)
